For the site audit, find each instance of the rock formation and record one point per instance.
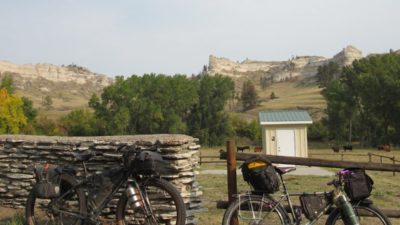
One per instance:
(70, 86)
(54, 73)
(298, 67)
(347, 56)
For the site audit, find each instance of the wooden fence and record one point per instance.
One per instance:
(210, 159)
(369, 157)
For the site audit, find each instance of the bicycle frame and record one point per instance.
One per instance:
(286, 196)
(95, 213)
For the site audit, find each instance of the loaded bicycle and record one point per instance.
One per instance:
(62, 197)
(347, 204)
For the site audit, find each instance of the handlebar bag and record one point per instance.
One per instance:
(357, 184)
(261, 175)
(47, 181)
(150, 163)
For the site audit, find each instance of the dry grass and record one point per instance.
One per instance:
(290, 95)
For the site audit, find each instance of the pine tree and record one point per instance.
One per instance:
(249, 96)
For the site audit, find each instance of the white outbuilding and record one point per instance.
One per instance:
(284, 132)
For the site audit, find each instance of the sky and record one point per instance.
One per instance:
(177, 36)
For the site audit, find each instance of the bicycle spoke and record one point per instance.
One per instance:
(258, 212)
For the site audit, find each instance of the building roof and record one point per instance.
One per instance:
(284, 117)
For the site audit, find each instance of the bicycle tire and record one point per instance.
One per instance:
(375, 217)
(165, 201)
(273, 214)
(38, 212)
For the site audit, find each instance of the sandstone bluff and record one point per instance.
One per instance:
(69, 86)
(297, 67)
(70, 73)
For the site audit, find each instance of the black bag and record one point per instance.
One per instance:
(102, 186)
(261, 175)
(148, 163)
(357, 184)
(47, 181)
(313, 204)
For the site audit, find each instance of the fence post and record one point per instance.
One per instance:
(370, 156)
(394, 162)
(342, 155)
(231, 167)
(200, 158)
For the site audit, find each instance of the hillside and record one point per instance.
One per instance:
(292, 81)
(69, 87)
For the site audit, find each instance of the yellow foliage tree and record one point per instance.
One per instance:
(12, 117)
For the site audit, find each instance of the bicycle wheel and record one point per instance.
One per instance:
(367, 215)
(165, 203)
(57, 210)
(255, 210)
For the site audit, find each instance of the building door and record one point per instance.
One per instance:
(285, 143)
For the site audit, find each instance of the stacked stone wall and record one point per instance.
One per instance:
(19, 153)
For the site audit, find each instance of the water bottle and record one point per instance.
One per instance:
(348, 214)
(134, 197)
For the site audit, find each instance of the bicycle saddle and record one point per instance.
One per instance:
(283, 170)
(84, 156)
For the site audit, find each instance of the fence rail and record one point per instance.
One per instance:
(210, 159)
(370, 156)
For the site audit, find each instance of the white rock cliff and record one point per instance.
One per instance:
(296, 67)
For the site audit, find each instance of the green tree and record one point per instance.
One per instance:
(247, 129)
(365, 102)
(46, 126)
(165, 104)
(47, 102)
(12, 118)
(29, 111)
(8, 83)
(328, 72)
(80, 122)
(272, 95)
(148, 104)
(249, 95)
(317, 131)
(208, 120)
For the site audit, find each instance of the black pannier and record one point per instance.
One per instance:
(47, 181)
(357, 184)
(313, 204)
(261, 175)
(148, 163)
(102, 186)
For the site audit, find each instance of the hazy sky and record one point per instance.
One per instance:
(177, 36)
